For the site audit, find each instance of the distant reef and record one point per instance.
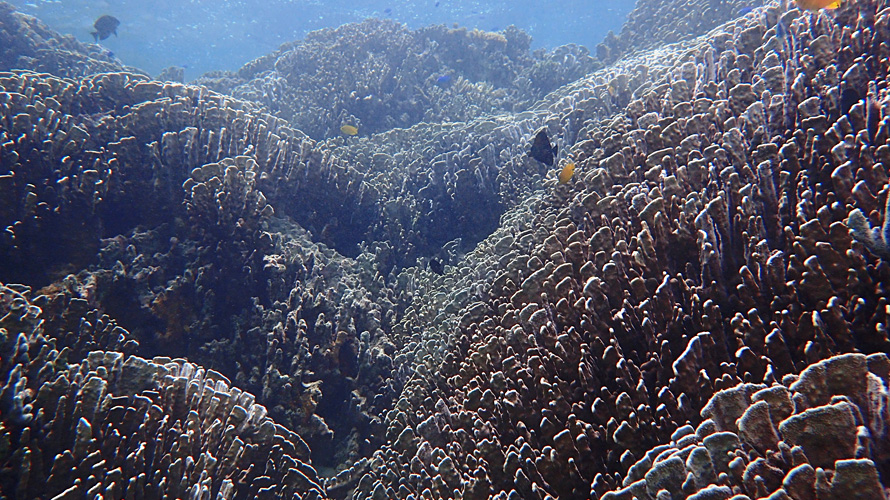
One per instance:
(211, 290)
(27, 43)
(655, 22)
(379, 75)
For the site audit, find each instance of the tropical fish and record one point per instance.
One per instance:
(443, 80)
(349, 129)
(436, 266)
(816, 5)
(849, 97)
(541, 149)
(745, 10)
(566, 173)
(105, 26)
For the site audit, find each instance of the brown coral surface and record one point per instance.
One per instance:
(212, 303)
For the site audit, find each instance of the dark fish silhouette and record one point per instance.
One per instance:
(105, 26)
(436, 266)
(542, 150)
(849, 97)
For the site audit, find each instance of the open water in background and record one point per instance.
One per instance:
(209, 35)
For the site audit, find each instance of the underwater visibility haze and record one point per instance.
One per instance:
(445, 250)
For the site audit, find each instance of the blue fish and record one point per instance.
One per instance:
(745, 10)
(443, 80)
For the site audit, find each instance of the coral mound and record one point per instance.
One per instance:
(814, 436)
(127, 427)
(378, 75)
(26, 43)
(213, 303)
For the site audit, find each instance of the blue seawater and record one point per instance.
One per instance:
(209, 35)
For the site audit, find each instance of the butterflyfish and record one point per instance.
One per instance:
(349, 130)
(816, 5)
(566, 173)
(436, 266)
(105, 27)
(541, 149)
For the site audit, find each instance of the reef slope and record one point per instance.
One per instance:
(212, 303)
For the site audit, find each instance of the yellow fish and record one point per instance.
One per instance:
(349, 129)
(815, 5)
(566, 173)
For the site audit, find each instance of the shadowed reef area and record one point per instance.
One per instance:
(208, 291)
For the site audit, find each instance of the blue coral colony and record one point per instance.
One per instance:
(456, 268)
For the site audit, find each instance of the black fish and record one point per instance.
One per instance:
(849, 97)
(105, 26)
(436, 266)
(541, 149)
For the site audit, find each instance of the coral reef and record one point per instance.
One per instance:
(26, 43)
(698, 251)
(378, 75)
(653, 22)
(126, 427)
(699, 313)
(815, 437)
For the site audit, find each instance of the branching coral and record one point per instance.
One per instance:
(684, 318)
